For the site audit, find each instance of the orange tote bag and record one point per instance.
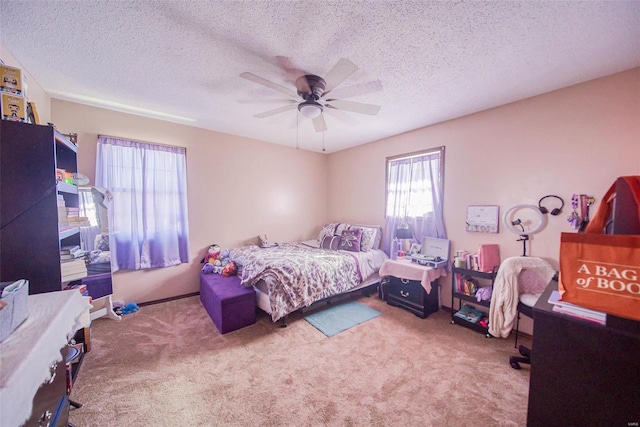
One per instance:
(602, 271)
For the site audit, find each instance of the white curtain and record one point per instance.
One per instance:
(414, 196)
(148, 218)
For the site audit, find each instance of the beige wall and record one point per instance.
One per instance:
(237, 188)
(34, 91)
(574, 140)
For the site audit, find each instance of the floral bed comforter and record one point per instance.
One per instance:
(298, 275)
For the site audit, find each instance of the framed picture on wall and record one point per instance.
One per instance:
(483, 218)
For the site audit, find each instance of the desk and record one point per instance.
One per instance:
(581, 373)
(409, 285)
(27, 355)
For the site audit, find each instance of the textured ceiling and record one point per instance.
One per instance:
(434, 61)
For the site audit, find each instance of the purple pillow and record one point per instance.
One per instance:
(330, 242)
(350, 240)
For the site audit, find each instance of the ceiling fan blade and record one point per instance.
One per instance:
(355, 107)
(343, 69)
(357, 89)
(264, 82)
(267, 101)
(276, 111)
(342, 116)
(319, 123)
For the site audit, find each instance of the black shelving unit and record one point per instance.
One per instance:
(460, 296)
(29, 234)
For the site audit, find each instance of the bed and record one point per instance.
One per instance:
(293, 276)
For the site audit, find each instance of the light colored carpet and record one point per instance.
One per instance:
(167, 365)
(340, 317)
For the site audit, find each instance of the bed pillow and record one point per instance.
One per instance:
(332, 229)
(330, 242)
(350, 240)
(340, 227)
(368, 238)
(327, 230)
(371, 236)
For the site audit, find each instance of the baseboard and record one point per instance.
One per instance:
(158, 301)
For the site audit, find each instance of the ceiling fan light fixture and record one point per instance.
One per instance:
(310, 109)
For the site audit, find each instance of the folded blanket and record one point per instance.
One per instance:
(504, 300)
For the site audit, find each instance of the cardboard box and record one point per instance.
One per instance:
(14, 307)
(11, 80)
(13, 107)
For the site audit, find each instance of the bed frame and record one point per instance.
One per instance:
(366, 288)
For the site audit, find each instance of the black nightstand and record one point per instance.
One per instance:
(411, 295)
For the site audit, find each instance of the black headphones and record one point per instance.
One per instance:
(554, 211)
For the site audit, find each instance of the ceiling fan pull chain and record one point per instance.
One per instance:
(323, 139)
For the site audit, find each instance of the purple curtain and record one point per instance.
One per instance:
(148, 222)
(414, 196)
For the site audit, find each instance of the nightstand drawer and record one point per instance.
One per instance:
(411, 295)
(409, 290)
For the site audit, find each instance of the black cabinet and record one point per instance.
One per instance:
(458, 293)
(29, 235)
(410, 294)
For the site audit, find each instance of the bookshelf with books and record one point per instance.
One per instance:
(465, 285)
(32, 231)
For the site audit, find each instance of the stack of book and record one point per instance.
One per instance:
(69, 217)
(73, 269)
(71, 252)
(583, 313)
(62, 214)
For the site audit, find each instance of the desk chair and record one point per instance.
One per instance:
(525, 306)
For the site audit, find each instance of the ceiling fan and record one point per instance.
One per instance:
(313, 91)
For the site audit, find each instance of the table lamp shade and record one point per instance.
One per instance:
(404, 233)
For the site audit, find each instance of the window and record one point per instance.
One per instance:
(148, 223)
(415, 184)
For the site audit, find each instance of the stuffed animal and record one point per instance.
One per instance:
(209, 260)
(230, 269)
(483, 293)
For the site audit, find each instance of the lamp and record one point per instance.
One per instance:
(403, 233)
(511, 222)
(310, 109)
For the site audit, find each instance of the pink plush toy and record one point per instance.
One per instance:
(213, 254)
(210, 259)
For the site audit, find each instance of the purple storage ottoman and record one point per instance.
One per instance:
(230, 305)
(98, 285)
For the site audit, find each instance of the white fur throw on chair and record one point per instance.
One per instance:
(504, 299)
